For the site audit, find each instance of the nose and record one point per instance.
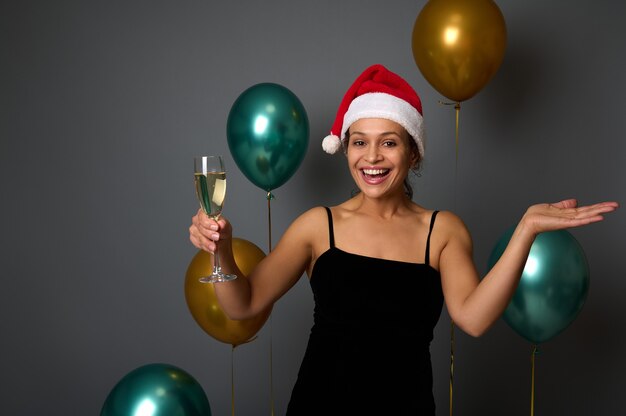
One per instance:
(373, 154)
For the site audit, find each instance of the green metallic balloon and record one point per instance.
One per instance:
(157, 390)
(268, 134)
(553, 287)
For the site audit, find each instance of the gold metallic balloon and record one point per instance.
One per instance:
(458, 45)
(202, 301)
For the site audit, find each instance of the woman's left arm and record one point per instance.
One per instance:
(473, 304)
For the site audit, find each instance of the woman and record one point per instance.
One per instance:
(379, 263)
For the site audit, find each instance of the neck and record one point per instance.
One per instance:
(382, 207)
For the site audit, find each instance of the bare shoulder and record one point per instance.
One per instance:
(302, 235)
(448, 219)
(450, 228)
(311, 218)
(307, 225)
(305, 238)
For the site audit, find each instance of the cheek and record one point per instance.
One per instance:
(352, 156)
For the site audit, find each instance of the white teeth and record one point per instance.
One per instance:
(374, 171)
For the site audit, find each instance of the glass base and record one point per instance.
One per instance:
(218, 277)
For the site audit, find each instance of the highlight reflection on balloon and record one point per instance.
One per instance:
(202, 301)
(268, 134)
(156, 390)
(553, 287)
(458, 45)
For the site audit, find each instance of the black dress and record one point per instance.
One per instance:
(368, 351)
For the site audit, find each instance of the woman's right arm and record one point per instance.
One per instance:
(244, 298)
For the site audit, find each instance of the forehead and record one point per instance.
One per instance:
(377, 126)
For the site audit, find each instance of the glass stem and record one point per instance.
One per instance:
(216, 262)
(217, 269)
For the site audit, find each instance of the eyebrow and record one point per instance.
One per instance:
(385, 133)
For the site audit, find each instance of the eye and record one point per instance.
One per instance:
(358, 143)
(389, 143)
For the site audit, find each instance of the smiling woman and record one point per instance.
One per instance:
(379, 152)
(414, 257)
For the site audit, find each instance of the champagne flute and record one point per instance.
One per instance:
(210, 180)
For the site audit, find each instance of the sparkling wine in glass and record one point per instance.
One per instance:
(210, 179)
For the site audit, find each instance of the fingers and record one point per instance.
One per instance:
(594, 211)
(570, 208)
(203, 232)
(200, 240)
(566, 203)
(608, 206)
(565, 214)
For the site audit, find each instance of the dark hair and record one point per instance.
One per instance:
(415, 169)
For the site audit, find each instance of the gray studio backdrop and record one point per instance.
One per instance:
(104, 104)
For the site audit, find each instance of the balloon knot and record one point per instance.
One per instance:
(270, 196)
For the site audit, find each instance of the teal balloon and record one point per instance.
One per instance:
(157, 390)
(553, 287)
(268, 134)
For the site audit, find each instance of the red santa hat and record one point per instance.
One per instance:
(378, 93)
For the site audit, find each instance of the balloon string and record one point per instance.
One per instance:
(457, 108)
(269, 217)
(451, 362)
(532, 380)
(271, 376)
(269, 224)
(232, 380)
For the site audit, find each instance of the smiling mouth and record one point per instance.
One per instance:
(375, 174)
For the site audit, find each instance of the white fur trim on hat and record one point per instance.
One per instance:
(331, 144)
(387, 106)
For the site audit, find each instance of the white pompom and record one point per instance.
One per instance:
(331, 144)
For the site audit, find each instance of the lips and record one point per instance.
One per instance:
(374, 175)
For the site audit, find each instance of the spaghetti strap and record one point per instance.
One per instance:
(331, 234)
(430, 230)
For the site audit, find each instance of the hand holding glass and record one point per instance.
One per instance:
(210, 179)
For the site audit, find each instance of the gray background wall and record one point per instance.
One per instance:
(104, 104)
